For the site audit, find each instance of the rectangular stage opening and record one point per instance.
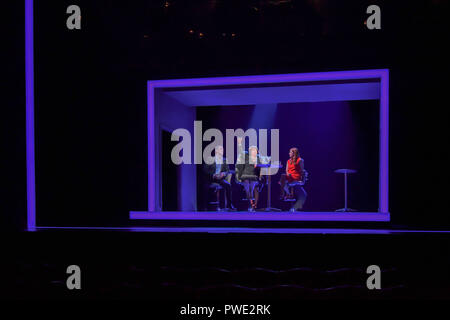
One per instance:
(337, 121)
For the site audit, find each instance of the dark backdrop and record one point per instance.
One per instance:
(91, 97)
(329, 136)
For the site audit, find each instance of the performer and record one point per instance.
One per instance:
(249, 173)
(217, 173)
(294, 172)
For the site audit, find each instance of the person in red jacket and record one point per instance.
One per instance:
(294, 172)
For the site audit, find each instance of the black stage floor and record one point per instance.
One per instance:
(200, 266)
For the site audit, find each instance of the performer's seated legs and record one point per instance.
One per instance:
(246, 185)
(250, 184)
(255, 193)
(286, 190)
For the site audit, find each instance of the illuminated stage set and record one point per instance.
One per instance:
(338, 121)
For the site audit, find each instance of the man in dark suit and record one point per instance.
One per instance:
(217, 172)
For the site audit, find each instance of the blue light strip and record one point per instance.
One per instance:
(29, 101)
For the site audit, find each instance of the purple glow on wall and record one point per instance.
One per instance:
(29, 101)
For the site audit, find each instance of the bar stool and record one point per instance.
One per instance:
(300, 194)
(345, 172)
(215, 189)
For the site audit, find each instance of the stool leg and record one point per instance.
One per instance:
(345, 178)
(282, 186)
(300, 198)
(218, 198)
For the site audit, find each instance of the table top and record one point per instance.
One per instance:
(268, 165)
(345, 171)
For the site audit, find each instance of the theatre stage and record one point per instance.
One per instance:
(260, 216)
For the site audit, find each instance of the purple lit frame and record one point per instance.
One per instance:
(381, 74)
(29, 102)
